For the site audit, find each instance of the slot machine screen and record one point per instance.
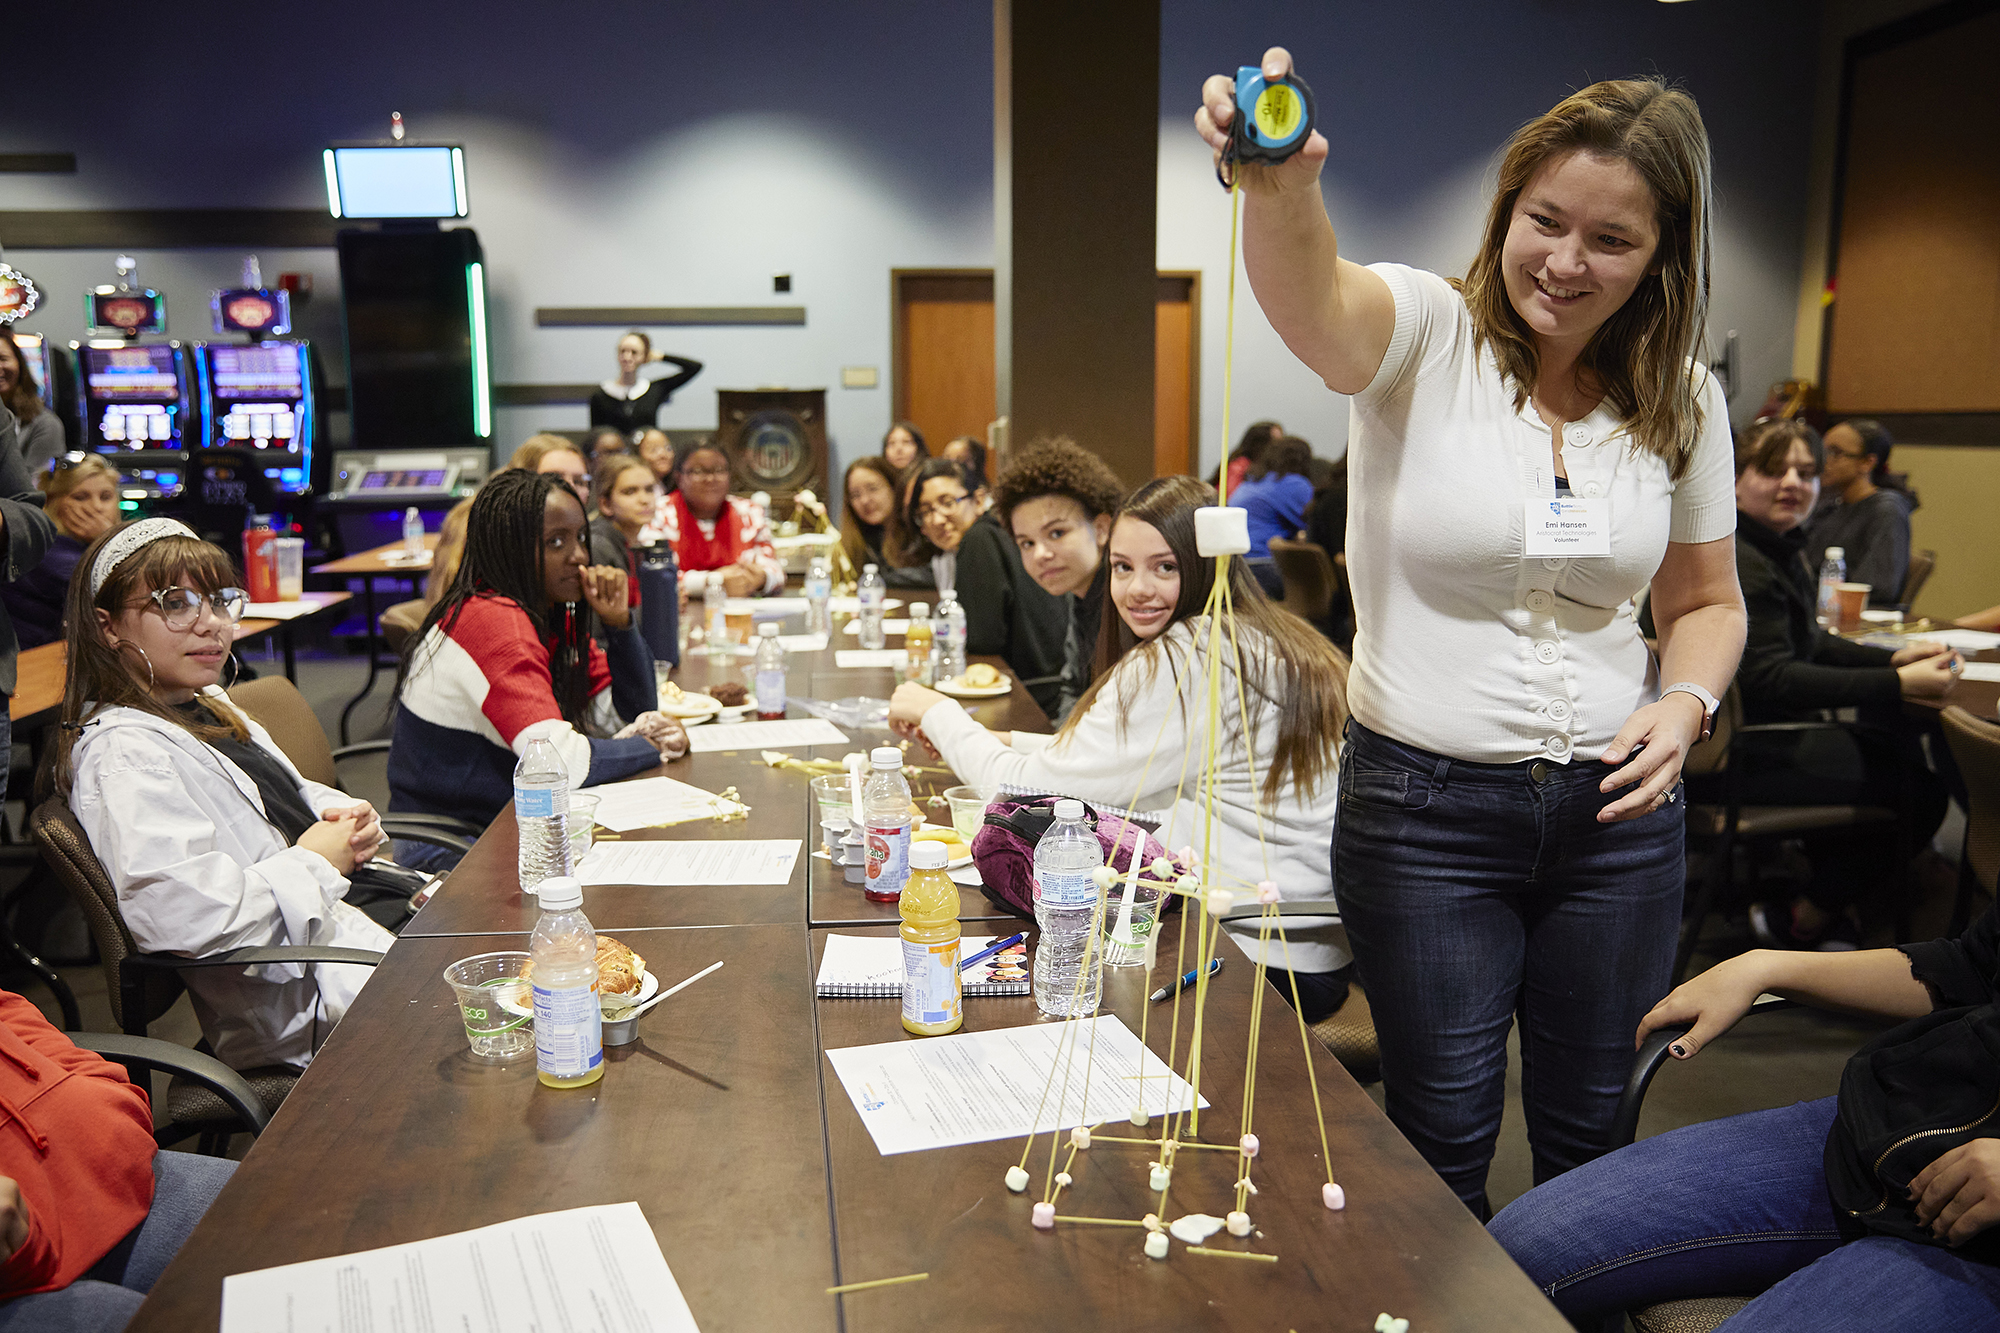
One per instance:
(258, 395)
(133, 397)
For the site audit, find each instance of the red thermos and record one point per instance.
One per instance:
(260, 560)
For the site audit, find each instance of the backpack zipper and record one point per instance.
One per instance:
(1912, 1138)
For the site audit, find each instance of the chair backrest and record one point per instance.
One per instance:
(277, 704)
(68, 853)
(401, 621)
(1921, 565)
(1712, 755)
(1975, 743)
(1309, 577)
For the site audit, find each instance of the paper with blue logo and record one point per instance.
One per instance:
(1566, 525)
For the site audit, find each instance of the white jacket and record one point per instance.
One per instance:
(1140, 741)
(200, 869)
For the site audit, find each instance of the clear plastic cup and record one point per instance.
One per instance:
(582, 825)
(494, 1002)
(291, 557)
(968, 811)
(1128, 931)
(831, 798)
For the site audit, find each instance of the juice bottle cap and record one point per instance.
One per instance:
(868, 569)
(918, 610)
(927, 855)
(768, 630)
(886, 756)
(559, 893)
(1069, 809)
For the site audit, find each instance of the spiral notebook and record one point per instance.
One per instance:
(871, 965)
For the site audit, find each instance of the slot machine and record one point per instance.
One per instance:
(134, 402)
(259, 399)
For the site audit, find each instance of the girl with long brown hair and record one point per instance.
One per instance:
(1530, 448)
(1127, 740)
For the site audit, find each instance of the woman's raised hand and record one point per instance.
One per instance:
(1218, 113)
(604, 589)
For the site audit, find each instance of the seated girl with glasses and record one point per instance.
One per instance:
(1006, 612)
(716, 535)
(1128, 741)
(506, 658)
(212, 838)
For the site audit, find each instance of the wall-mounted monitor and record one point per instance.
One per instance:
(396, 181)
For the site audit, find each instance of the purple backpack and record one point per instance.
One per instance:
(1004, 848)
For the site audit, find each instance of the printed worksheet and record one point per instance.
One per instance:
(691, 864)
(588, 1270)
(849, 659)
(764, 735)
(624, 806)
(973, 1087)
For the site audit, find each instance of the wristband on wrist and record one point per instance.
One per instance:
(1709, 704)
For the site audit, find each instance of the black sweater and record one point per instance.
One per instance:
(1007, 614)
(1791, 667)
(636, 414)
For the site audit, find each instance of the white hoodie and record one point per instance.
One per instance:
(1140, 746)
(199, 869)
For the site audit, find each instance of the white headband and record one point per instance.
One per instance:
(129, 539)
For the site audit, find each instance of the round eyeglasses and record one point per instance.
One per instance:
(942, 508)
(181, 607)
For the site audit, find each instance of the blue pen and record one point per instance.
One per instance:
(992, 949)
(1214, 966)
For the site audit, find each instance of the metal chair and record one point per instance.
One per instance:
(144, 986)
(1975, 743)
(1726, 823)
(1348, 1032)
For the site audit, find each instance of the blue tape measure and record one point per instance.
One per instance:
(1273, 116)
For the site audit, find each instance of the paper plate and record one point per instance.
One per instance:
(691, 708)
(958, 690)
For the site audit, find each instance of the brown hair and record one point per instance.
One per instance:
(1765, 445)
(101, 676)
(605, 479)
(58, 484)
(852, 544)
(529, 456)
(1302, 673)
(1638, 358)
(24, 400)
(1057, 465)
(450, 550)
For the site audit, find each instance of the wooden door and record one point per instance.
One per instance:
(1176, 374)
(943, 354)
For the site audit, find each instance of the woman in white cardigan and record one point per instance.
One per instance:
(1136, 736)
(212, 838)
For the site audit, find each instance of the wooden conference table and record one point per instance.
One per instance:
(726, 1123)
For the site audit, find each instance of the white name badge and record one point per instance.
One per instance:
(1567, 526)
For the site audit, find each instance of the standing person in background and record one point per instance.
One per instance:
(1057, 498)
(83, 504)
(1006, 613)
(1865, 511)
(646, 380)
(1246, 458)
(871, 529)
(1510, 794)
(42, 439)
(904, 447)
(657, 448)
(624, 494)
(716, 535)
(25, 535)
(1277, 500)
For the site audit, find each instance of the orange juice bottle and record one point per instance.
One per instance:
(933, 1004)
(918, 640)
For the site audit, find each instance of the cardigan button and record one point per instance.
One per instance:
(1559, 709)
(1558, 746)
(1591, 490)
(1547, 651)
(1577, 433)
(1539, 600)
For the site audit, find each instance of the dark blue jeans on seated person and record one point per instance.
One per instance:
(1475, 894)
(1733, 1207)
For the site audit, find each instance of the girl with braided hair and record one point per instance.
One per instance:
(506, 658)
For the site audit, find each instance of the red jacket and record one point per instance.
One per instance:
(77, 1138)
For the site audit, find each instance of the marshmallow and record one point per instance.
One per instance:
(1151, 1221)
(1250, 1145)
(1267, 891)
(1247, 1184)
(1080, 1137)
(1063, 1179)
(1333, 1196)
(1017, 1179)
(1388, 1323)
(1195, 1227)
(1104, 877)
(1220, 901)
(1139, 1116)
(1220, 530)
(1156, 1245)
(1158, 1177)
(1238, 1224)
(1162, 867)
(1045, 1216)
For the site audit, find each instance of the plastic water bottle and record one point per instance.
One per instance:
(1066, 910)
(885, 810)
(918, 641)
(1832, 573)
(950, 652)
(569, 1019)
(819, 589)
(870, 593)
(413, 533)
(933, 991)
(770, 673)
(716, 617)
(541, 808)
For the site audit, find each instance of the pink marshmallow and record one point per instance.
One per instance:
(1250, 1145)
(1045, 1216)
(1267, 891)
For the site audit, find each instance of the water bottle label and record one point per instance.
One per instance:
(888, 857)
(770, 689)
(1060, 888)
(569, 1031)
(931, 991)
(537, 803)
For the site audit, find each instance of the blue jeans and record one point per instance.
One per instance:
(1734, 1207)
(1474, 894)
(103, 1300)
